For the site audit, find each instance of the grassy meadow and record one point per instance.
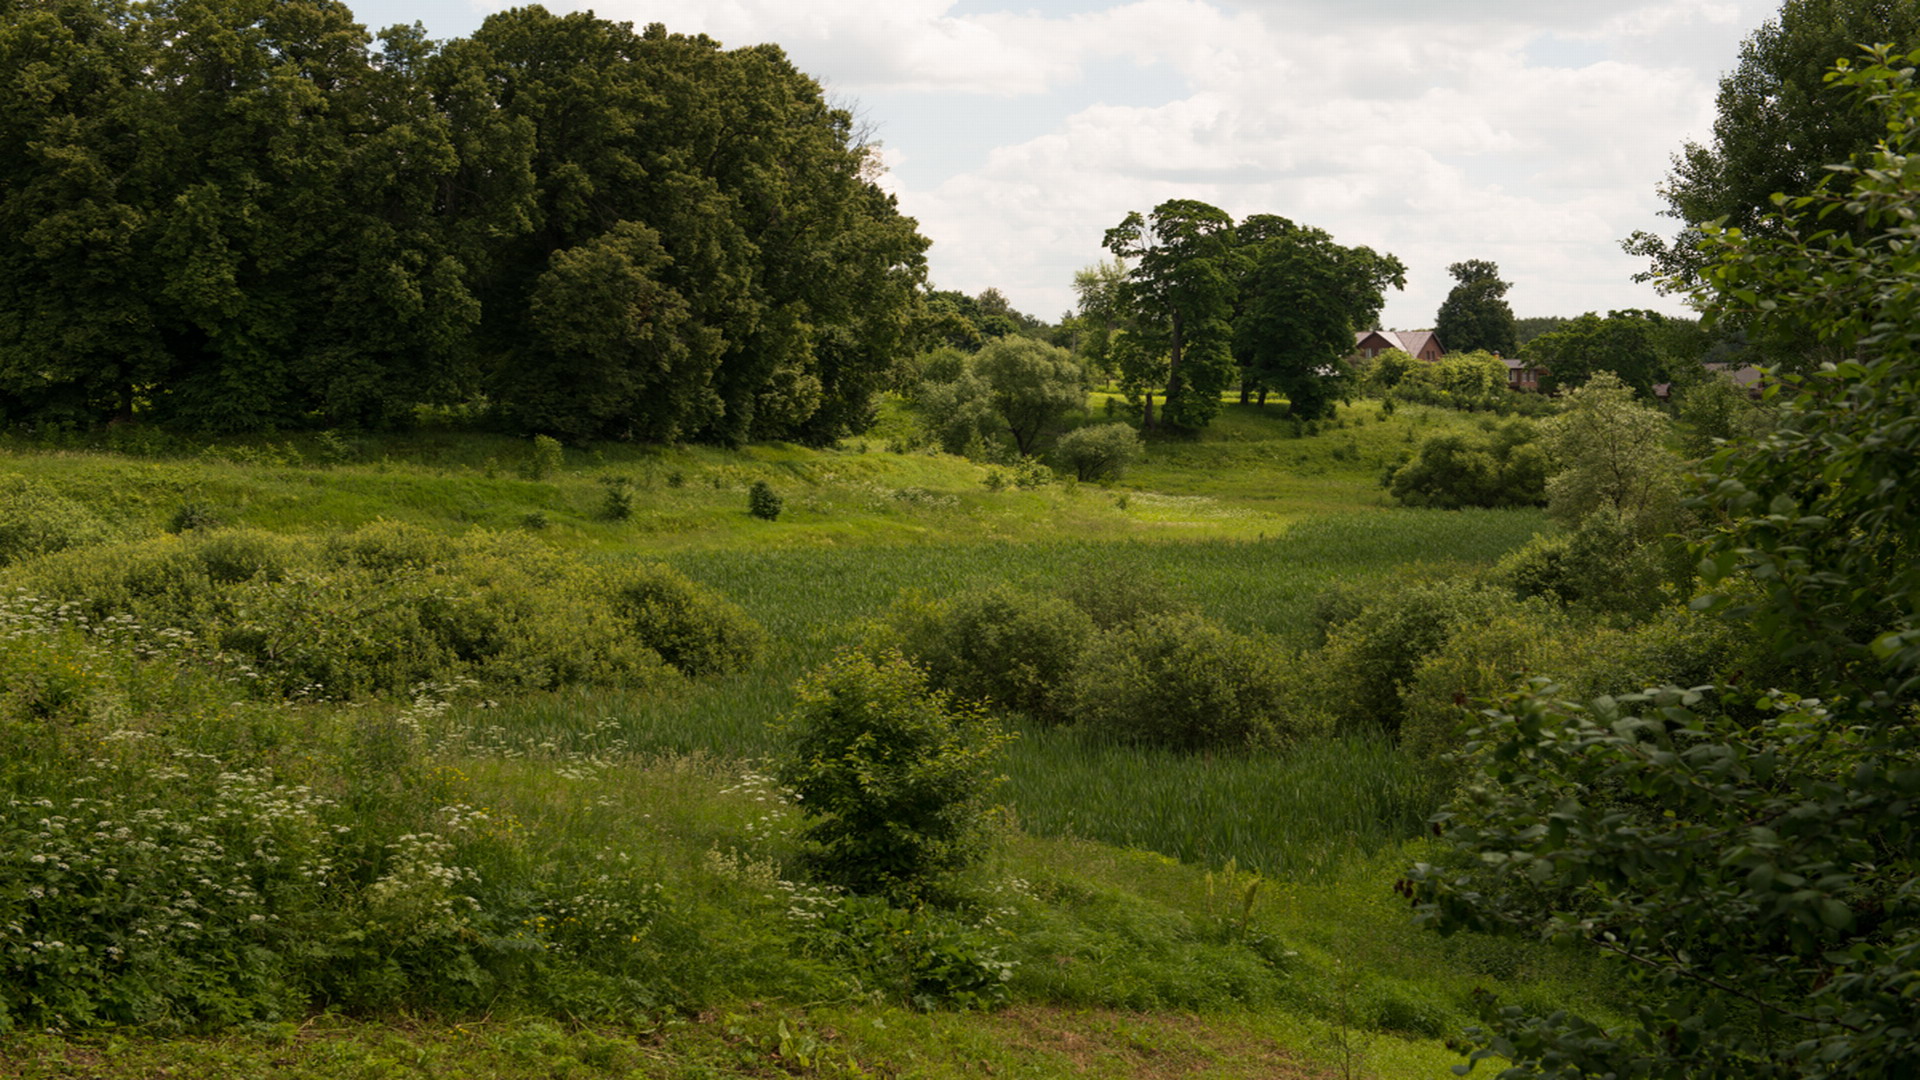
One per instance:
(568, 878)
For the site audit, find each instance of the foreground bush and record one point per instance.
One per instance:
(893, 775)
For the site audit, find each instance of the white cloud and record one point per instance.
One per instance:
(1421, 129)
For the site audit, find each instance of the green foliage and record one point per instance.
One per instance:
(1032, 386)
(1624, 343)
(544, 458)
(1301, 297)
(692, 629)
(763, 502)
(1749, 856)
(932, 960)
(1778, 125)
(1715, 410)
(892, 775)
(243, 216)
(1370, 658)
(379, 610)
(1098, 452)
(1501, 467)
(35, 519)
(1184, 681)
(999, 646)
(1475, 317)
(1461, 380)
(1180, 293)
(1610, 451)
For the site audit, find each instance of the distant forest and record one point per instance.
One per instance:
(244, 215)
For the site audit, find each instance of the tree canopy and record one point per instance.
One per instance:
(1301, 298)
(1475, 317)
(231, 214)
(1180, 291)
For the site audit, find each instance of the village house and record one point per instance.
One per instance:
(1419, 344)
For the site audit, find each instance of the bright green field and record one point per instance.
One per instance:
(1144, 855)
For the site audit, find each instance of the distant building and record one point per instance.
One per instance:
(1522, 375)
(1419, 344)
(1746, 377)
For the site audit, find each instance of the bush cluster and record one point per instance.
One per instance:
(1118, 661)
(1499, 466)
(388, 606)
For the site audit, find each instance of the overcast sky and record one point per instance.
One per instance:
(1529, 132)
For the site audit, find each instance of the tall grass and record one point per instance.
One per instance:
(1296, 816)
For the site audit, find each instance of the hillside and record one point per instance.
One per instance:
(594, 877)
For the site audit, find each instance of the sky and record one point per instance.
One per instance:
(1533, 133)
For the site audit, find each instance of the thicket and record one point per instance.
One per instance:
(1747, 851)
(387, 607)
(243, 215)
(1501, 465)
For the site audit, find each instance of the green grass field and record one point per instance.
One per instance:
(1171, 913)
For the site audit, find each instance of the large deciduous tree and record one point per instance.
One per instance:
(1750, 856)
(1624, 343)
(1301, 297)
(1180, 290)
(1475, 316)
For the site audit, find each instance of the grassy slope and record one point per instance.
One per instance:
(1249, 522)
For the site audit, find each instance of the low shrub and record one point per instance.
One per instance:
(997, 645)
(893, 776)
(1503, 466)
(1100, 452)
(34, 520)
(1185, 681)
(1363, 671)
(693, 629)
(378, 610)
(762, 501)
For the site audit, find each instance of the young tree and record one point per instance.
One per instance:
(1749, 856)
(1475, 315)
(1301, 296)
(1610, 451)
(1032, 386)
(1180, 292)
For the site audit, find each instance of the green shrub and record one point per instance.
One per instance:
(1114, 596)
(997, 645)
(193, 516)
(762, 501)
(691, 628)
(930, 959)
(1363, 671)
(616, 503)
(1098, 453)
(893, 776)
(1184, 681)
(1484, 659)
(377, 610)
(544, 458)
(34, 519)
(1604, 567)
(1497, 468)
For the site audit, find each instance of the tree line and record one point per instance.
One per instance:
(237, 215)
